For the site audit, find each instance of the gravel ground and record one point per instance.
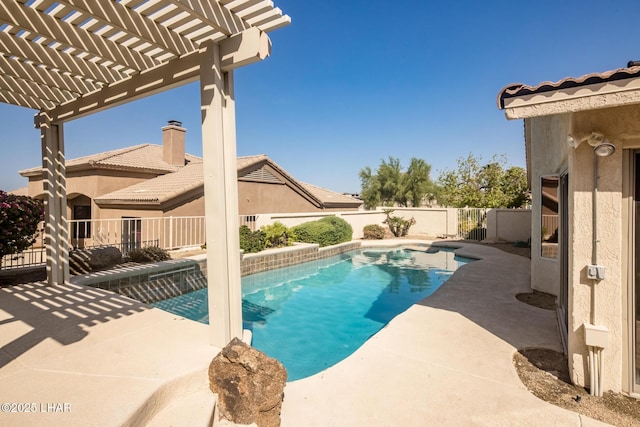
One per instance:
(545, 373)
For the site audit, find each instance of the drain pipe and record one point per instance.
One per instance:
(594, 233)
(594, 352)
(596, 336)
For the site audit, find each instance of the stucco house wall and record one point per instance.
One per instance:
(548, 157)
(256, 198)
(92, 184)
(164, 180)
(607, 304)
(600, 227)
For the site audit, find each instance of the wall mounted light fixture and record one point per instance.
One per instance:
(600, 144)
(604, 149)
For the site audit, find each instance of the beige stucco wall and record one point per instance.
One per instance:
(434, 222)
(621, 126)
(549, 153)
(605, 302)
(509, 225)
(256, 198)
(429, 222)
(359, 220)
(92, 183)
(605, 308)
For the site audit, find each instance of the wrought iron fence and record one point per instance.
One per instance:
(249, 220)
(29, 257)
(472, 223)
(180, 232)
(124, 233)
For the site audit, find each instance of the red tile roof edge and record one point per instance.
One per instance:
(518, 89)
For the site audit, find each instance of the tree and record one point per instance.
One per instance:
(19, 220)
(390, 186)
(418, 184)
(483, 186)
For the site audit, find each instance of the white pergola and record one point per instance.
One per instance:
(71, 58)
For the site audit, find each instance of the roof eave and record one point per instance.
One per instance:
(117, 203)
(342, 204)
(568, 100)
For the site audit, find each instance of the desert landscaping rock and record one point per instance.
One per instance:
(249, 384)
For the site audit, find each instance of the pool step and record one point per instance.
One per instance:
(197, 409)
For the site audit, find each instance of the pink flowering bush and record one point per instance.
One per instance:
(19, 219)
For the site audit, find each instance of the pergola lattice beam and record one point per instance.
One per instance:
(41, 75)
(28, 51)
(57, 49)
(50, 96)
(20, 99)
(34, 21)
(172, 74)
(213, 14)
(241, 49)
(133, 24)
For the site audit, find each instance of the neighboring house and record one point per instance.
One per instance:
(582, 139)
(147, 180)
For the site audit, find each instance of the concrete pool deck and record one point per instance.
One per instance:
(445, 361)
(78, 356)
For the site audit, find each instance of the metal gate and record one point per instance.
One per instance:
(472, 223)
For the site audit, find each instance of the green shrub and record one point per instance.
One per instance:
(373, 232)
(251, 241)
(327, 231)
(19, 219)
(276, 235)
(148, 254)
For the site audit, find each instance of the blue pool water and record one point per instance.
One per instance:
(313, 315)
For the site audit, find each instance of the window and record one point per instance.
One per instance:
(549, 212)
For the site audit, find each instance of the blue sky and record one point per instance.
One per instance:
(352, 82)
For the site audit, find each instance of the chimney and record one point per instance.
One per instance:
(173, 143)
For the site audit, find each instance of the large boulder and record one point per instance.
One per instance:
(83, 261)
(250, 385)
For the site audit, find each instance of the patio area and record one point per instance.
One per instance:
(445, 361)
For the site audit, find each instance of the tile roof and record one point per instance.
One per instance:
(246, 161)
(328, 197)
(23, 191)
(518, 89)
(163, 188)
(159, 189)
(143, 157)
(173, 180)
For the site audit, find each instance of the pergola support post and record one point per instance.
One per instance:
(55, 200)
(221, 197)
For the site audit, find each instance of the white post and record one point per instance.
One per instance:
(221, 197)
(55, 191)
(171, 232)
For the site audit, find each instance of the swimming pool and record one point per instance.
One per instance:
(312, 315)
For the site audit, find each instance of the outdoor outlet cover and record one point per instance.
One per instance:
(596, 335)
(595, 272)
